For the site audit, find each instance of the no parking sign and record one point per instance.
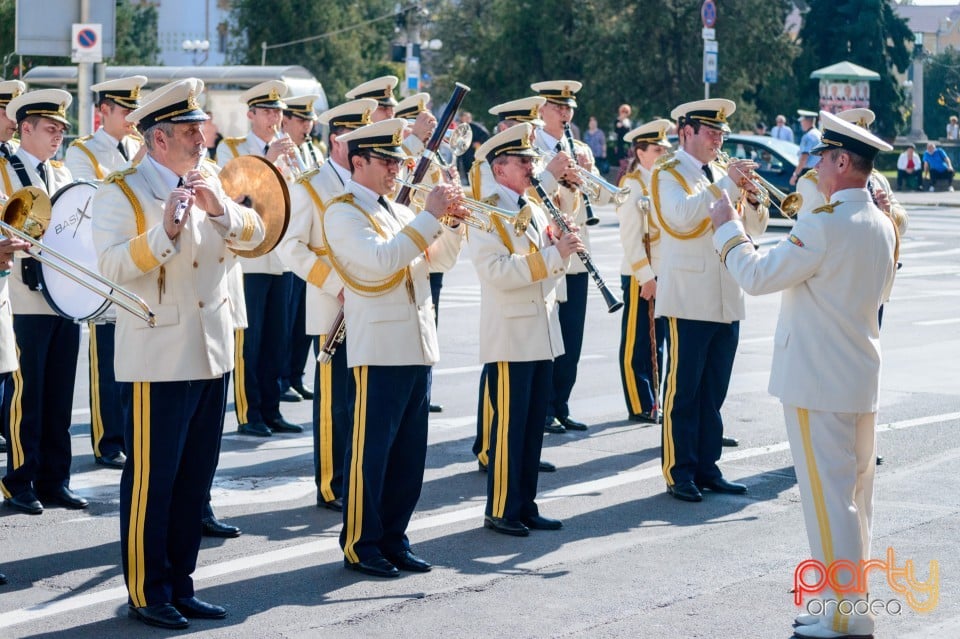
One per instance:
(87, 43)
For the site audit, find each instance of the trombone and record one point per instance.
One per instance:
(789, 204)
(481, 214)
(593, 186)
(26, 214)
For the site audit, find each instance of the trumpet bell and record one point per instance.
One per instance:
(459, 139)
(28, 210)
(790, 205)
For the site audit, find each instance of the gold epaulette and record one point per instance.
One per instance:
(81, 139)
(346, 197)
(491, 199)
(232, 144)
(119, 175)
(667, 164)
(663, 159)
(305, 177)
(811, 175)
(236, 140)
(632, 175)
(57, 164)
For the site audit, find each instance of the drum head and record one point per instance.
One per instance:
(71, 233)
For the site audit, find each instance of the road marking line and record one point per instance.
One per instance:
(940, 322)
(119, 593)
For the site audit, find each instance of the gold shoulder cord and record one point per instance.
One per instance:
(79, 143)
(700, 230)
(7, 184)
(652, 229)
(118, 178)
(318, 202)
(364, 288)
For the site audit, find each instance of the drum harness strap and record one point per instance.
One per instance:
(118, 179)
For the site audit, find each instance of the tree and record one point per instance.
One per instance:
(867, 33)
(136, 34)
(356, 49)
(941, 90)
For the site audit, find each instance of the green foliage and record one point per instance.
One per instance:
(941, 91)
(647, 53)
(137, 42)
(867, 33)
(340, 61)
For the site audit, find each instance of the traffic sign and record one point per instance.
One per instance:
(708, 34)
(710, 46)
(87, 43)
(708, 13)
(710, 67)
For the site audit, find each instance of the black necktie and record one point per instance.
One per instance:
(706, 171)
(122, 150)
(383, 202)
(5, 149)
(266, 148)
(522, 202)
(42, 170)
(179, 183)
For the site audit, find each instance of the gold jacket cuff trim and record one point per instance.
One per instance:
(318, 274)
(248, 226)
(537, 266)
(142, 255)
(417, 239)
(731, 244)
(636, 266)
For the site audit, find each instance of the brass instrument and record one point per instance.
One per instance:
(26, 214)
(261, 187)
(789, 204)
(591, 185)
(481, 213)
(292, 159)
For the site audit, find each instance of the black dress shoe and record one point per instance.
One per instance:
(481, 466)
(538, 522)
(685, 491)
(644, 418)
(505, 526)
(547, 467)
(3, 579)
(333, 504)
(375, 567)
(409, 562)
(730, 442)
(721, 485)
(280, 425)
(193, 608)
(213, 527)
(257, 429)
(436, 408)
(65, 497)
(25, 502)
(553, 426)
(303, 391)
(879, 460)
(116, 460)
(571, 424)
(160, 615)
(290, 395)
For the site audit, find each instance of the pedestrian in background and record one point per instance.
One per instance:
(597, 142)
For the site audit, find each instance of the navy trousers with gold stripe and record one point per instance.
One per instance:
(38, 404)
(300, 342)
(106, 413)
(172, 440)
(572, 315)
(517, 391)
(481, 444)
(636, 364)
(262, 347)
(331, 421)
(385, 459)
(699, 363)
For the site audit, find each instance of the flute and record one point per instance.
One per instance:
(182, 205)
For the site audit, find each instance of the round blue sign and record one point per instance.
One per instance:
(86, 38)
(708, 12)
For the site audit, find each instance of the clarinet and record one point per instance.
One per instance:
(591, 218)
(613, 304)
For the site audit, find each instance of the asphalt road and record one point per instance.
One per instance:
(630, 561)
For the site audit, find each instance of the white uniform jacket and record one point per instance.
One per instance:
(8, 342)
(184, 280)
(94, 157)
(228, 149)
(692, 282)
(833, 269)
(303, 251)
(394, 327)
(25, 301)
(519, 320)
(635, 220)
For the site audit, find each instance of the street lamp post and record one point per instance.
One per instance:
(196, 47)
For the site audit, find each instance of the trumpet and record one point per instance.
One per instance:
(593, 186)
(292, 159)
(481, 214)
(25, 215)
(789, 203)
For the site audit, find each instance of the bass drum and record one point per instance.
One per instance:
(71, 233)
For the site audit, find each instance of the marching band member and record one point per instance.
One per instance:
(112, 147)
(9, 89)
(835, 269)
(701, 302)
(381, 90)
(557, 112)
(175, 406)
(378, 248)
(640, 238)
(263, 346)
(38, 421)
(298, 120)
(520, 333)
(304, 251)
